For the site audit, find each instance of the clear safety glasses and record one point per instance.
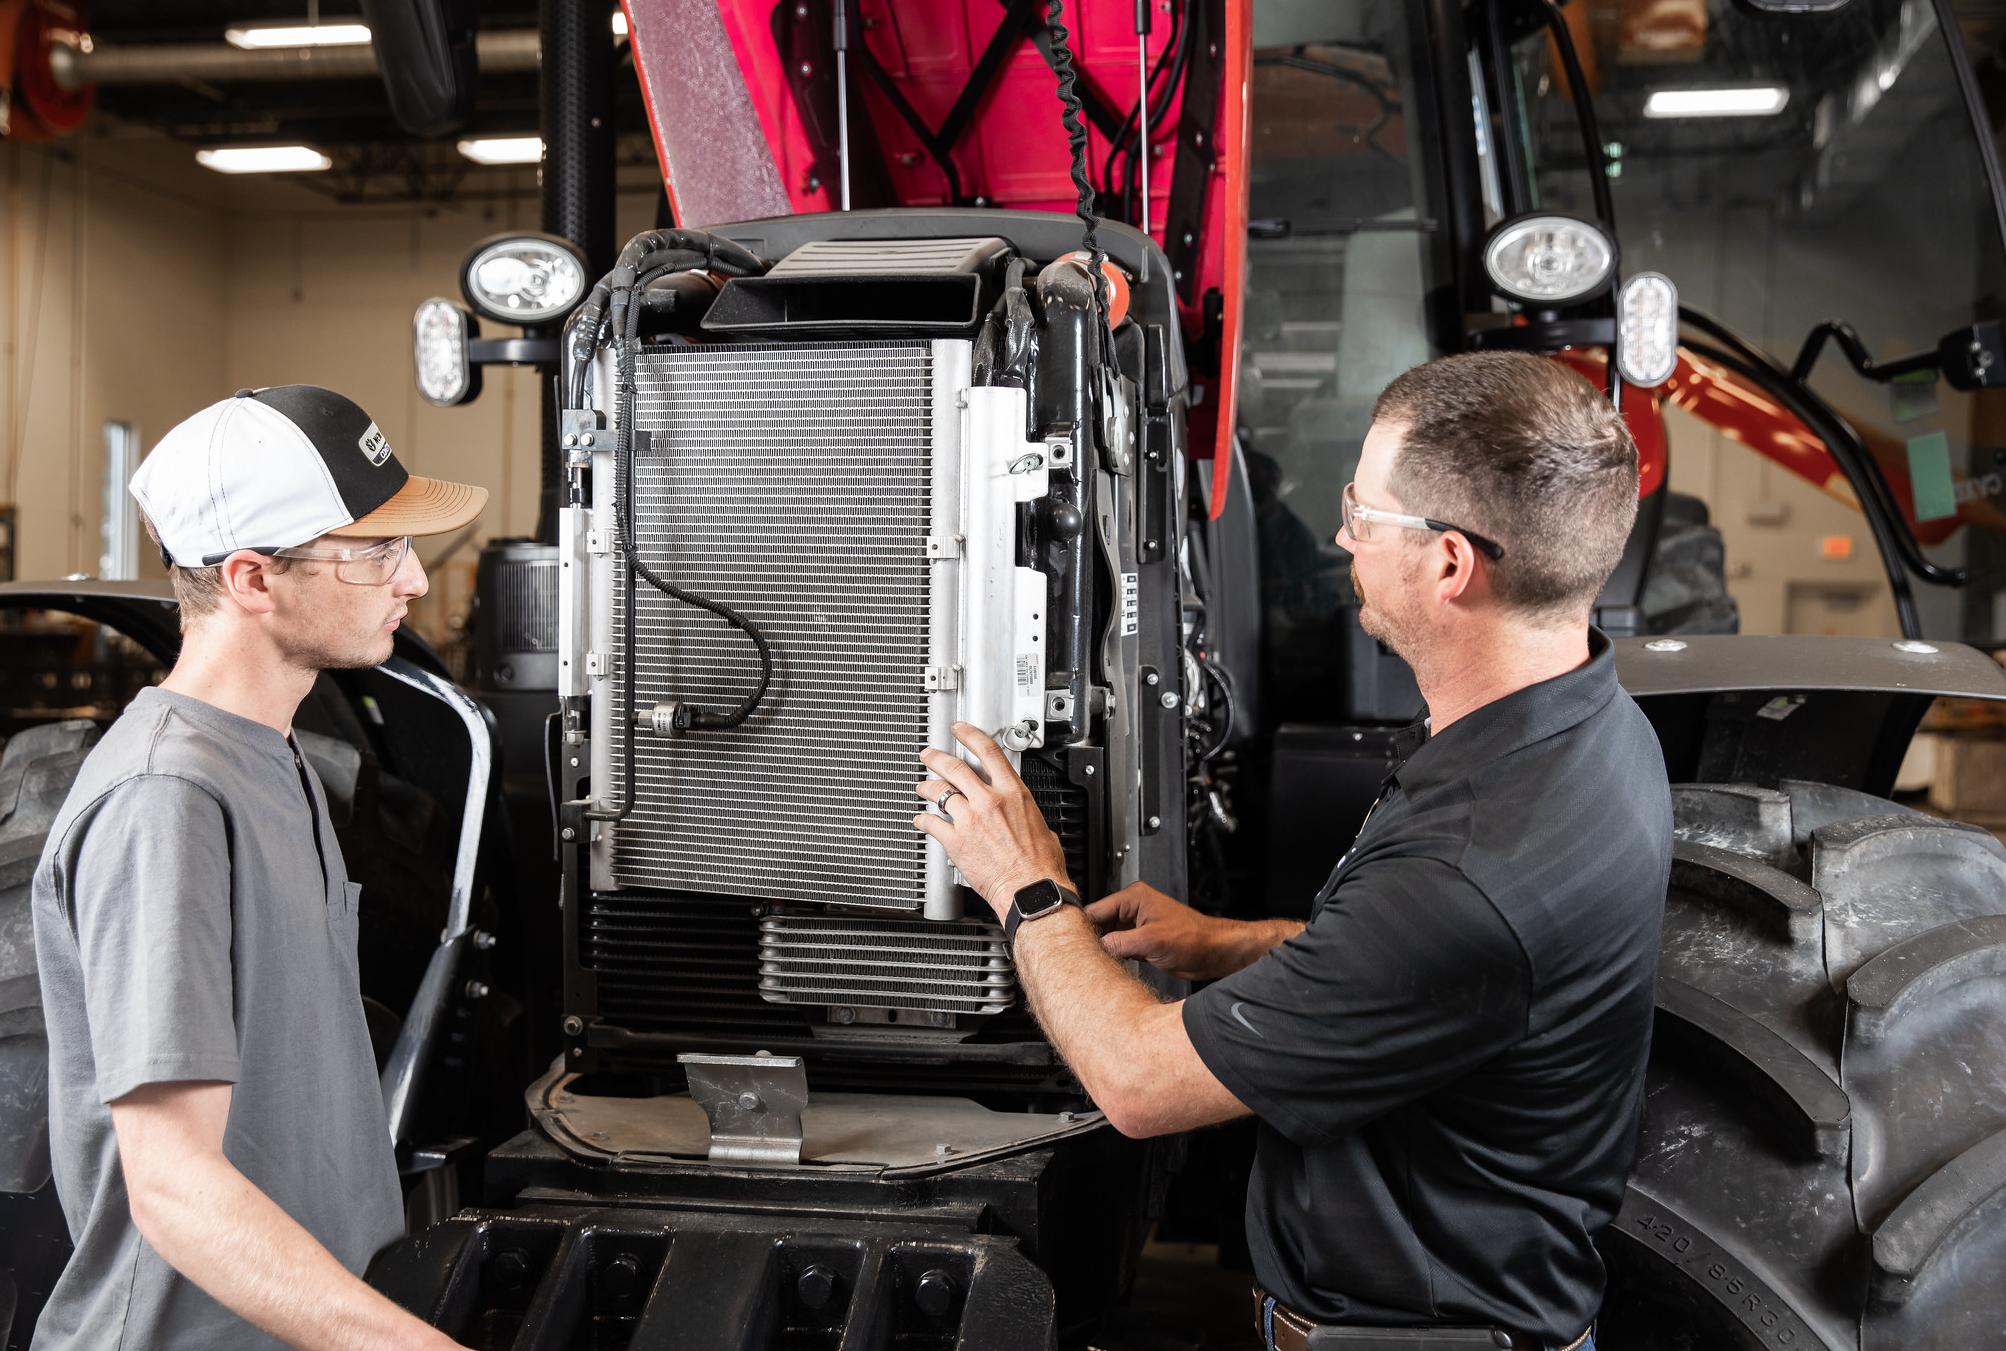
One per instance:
(366, 565)
(1359, 521)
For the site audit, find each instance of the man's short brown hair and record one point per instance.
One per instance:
(1524, 450)
(197, 591)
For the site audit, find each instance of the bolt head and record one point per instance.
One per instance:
(934, 1293)
(511, 1267)
(1169, 699)
(815, 1286)
(573, 1025)
(1664, 645)
(1152, 678)
(568, 833)
(750, 1101)
(1089, 771)
(1156, 823)
(621, 1278)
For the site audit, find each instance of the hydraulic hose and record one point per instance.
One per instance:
(687, 718)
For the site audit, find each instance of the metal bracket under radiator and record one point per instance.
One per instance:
(754, 1103)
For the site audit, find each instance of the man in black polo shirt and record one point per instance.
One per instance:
(1447, 1060)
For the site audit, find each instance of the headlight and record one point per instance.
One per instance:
(523, 279)
(1549, 260)
(439, 334)
(1647, 329)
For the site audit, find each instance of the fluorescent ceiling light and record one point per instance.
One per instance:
(263, 159)
(1759, 101)
(256, 37)
(619, 23)
(503, 149)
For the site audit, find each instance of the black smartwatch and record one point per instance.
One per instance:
(1041, 898)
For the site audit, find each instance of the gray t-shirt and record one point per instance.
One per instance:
(193, 921)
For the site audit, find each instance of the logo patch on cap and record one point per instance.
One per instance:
(375, 445)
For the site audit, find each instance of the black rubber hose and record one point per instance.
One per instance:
(587, 328)
(687, 719)
(1860, 474)
(1828, 426)
(1584, 116)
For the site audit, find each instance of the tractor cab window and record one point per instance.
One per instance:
(1785, 170)
(1341, 256)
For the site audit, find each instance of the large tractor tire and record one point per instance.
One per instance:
(1685, 586)
(36, 771)
(1823, 1158)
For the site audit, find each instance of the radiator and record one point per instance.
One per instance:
(856, 502)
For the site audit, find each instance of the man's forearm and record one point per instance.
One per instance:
(1087, 1002)
(211, 1224)
(1128, 1048)
(1242, 942)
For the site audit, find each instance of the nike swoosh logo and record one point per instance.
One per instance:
(1241, 1019)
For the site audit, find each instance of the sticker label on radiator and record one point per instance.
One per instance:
(1028, 675)
(1131, 604)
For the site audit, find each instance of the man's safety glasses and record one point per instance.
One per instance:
(1359, 521)
(362, 565)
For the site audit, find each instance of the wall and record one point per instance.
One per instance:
(114, 293)
(158, 286)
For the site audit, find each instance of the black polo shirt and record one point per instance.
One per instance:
(1448, 1062)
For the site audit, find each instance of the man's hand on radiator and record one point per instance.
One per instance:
(991, 826)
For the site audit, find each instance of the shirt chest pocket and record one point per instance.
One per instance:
(343, 913)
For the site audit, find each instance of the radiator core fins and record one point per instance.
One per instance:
(793, 484)
(960, 967)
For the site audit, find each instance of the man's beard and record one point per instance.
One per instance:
(1381, 624)
(323, 652)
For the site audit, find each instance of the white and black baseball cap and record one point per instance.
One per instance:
(275, 468)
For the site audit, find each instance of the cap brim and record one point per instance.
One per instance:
(423, 506)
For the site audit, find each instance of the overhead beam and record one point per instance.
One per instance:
(103, 64)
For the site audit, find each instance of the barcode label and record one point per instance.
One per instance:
(1027, 671)
(1131, 604)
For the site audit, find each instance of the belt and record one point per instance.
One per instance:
(1293, 1332)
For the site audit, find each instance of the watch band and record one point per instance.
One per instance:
(1014, 917)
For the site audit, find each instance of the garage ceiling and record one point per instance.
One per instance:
(348, 119)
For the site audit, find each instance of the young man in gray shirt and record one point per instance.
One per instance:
(220, 1144)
